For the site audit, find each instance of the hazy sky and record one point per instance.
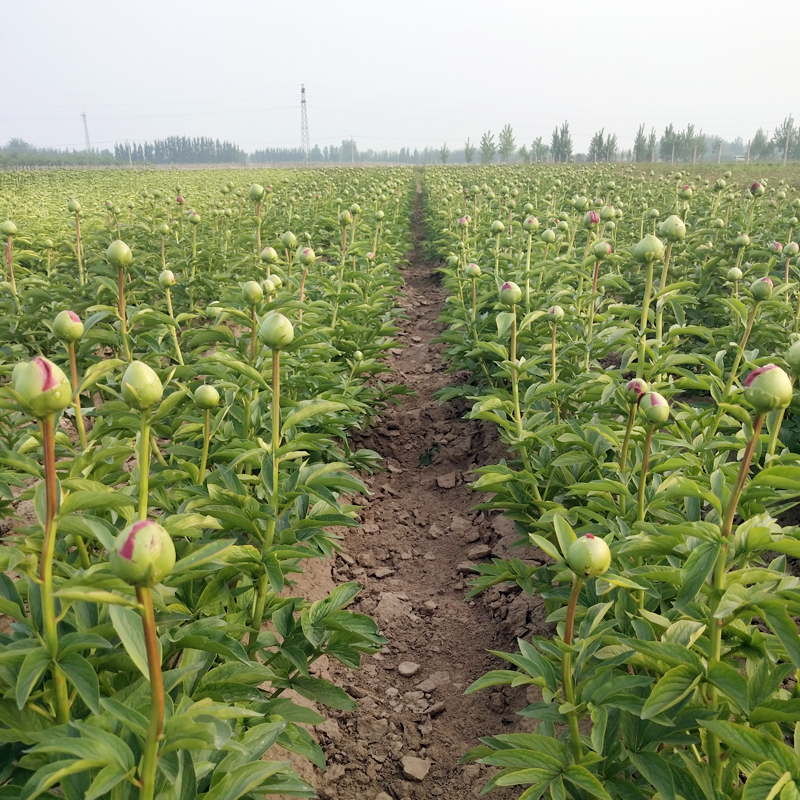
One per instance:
(415, 73)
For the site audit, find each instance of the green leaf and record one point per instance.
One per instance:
(776, 711)
(105, 781)
(32, 669)
(670, 690)
(583, 779)
(324, 692)
(504, 320)
(314, 408)
(765, 782)
(201, 555)
(128, 625)
(51, 774)
(655, 770)
(695, 571)
(564, 533)
(731, 683)
(754, 745)
(783, 626)
(83, 501)
(243, 779)
(83, 678)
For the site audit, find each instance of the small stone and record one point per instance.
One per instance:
(429, 556)
(383, 796)
(434, 681)
(408, 668)
(478, 552)
(349, 560)
(435, 531)
(416, 338)
(447, 481)
(436, 709)
(372, 729)
(465, 567)
(366, 559)
(383, 572)
(415, 768)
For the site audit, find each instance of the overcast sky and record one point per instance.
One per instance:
(391, 74)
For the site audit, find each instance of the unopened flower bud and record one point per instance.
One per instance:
(141, 387)
(685, 192)
(793, 358)
(673, 228)
(256, 192)
(588, 556)
(276, 331)
(345, 218)
(510, 293)
(762, 289)
(74, 207)
(194, 218)
(498, 227)
(655, 408)
(548, 236)
(635, 389)
(649, 249)
(607, 213)
(531, 224)
(167, 278)
(768, 388)
(791, 249)
(379, 215)
(358, 356)
(119, 254)
(734, 274)
(206, 397)
(556, 313)
(307, 257)
(68, 326)
(143, 554)
(8, 228)
(252, 293)
(472, 271)
(289, 240)
(269, 255)
(268, 285)
(775, 248)
(757, 189)
(602, 250)
(44, 388)
(590, 219)
(163, 229)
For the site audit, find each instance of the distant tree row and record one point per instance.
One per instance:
(181, 150)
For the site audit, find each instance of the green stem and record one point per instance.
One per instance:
(648, 289)
(174, 328)
(776, 420)
(661, 287)
(144, 463)
(626, 441)
(77, 401)
(206, 439)
(46, 564)
(643, 474)
(553, 354)
(122, 318)
(150, 757)
(566, 670)
(78, 247)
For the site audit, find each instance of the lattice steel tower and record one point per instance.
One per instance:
(305, 143)
(86, 132)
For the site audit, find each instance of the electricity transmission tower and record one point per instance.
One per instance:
(86, 132)
(305, 144)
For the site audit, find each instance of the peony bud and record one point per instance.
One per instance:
(674, 228)
(74, 207)
(555, 313)
(531, 224)
(601, 250)
(549, 236)
(68, 326)
(655, 408)
(345, 218)
(791, 249)
(179, 200)
(635, 389)
(163, 229)
(685, 192)
(268, 285)
(498, 227)
(44, 388)
(510, 293)
(194, 218)
(379, 215)
(588, 556)
(590, 219)
(307, 257)
(206, 397)
(472, 271)
(793, 358)
(8, 228)
(256, 192)
(289, 240)
(141, 387)
(269, 255)
(252, 293)
(276, 331)
(734, 274)
(143, 554)
(762, 289)
(607, 213)
(167, 278)
(119, 254)
(757, 190)
(768, 388)
(775, 248)
(649, 249)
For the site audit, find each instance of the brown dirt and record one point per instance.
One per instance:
(412, 554)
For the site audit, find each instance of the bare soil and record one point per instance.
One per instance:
(413, 553)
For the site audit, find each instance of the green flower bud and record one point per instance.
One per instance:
(791, 249)
(563, 226)
(649, 249)
(510, 294)
(143, 554)
(163, 229)
(588, 556)
(307, 257)
(556, 313)
(269, 255)
(256, 192)
(44, 388)
(673, 228)
(757, 189)
(141, 387)
(119, 254)
(762, 289)
(793, 358)
(276, 331)
(379, 215)
(252, 293)
(591, 219)
(358, 356)
(768, 388)
(601, 250)
(8, 228)
(472, 271)
(167, 278)
(655, 408)
(531, 224)
(74, 207)
(549, 236)
(355, 209)
(206, 397)
(289, 240)
(653, 213)
(194, 218)
(607, 213)
(68, 326)
(635, 389)
(718, 224)
(685, 192)
(498, 227)
(345, 218)
(734, 274)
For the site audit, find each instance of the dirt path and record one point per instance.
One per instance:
(412, 554)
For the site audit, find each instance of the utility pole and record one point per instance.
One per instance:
(694, 160)
(673, 152)
(305, 143)
(130, 160)
(352, 151)
(749, 141)
(86, 132)
(719, 152)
